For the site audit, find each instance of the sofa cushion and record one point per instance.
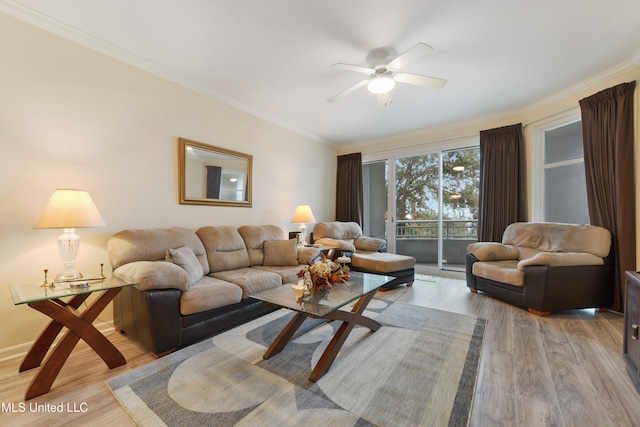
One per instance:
(337, 234)
(306, 254)
(225, 248)
(555, 237)
(185, 258)
(337, 230)
(154, 275)
(382, 262)
(251, 280)
(209, 293)
(501, 271)
(524, 253)
(151, 245)
(254, 237)
(280, 252)
(493, 251)
(289, 274)
(561, 258)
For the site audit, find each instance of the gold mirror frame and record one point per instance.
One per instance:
(206, 171)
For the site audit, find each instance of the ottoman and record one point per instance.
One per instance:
(402, 267)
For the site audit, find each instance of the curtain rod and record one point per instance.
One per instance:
(575, 107)
(455, 138)
(422, 143)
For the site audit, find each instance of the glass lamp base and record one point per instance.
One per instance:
(68, 274)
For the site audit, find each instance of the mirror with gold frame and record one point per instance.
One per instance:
(213, 176)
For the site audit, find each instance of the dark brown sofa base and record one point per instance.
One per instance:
(551, 288)
(401, 277)
(153, 318)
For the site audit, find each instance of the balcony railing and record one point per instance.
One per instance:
(428, 229)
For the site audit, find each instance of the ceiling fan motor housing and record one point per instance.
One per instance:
(379, 58)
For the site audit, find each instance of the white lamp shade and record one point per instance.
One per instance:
(70, 209)
(303, 215)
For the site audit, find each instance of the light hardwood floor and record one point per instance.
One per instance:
(562, 370)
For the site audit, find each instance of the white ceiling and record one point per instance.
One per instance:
(272, 57)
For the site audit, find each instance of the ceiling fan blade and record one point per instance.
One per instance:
(416, 79)
(356, 68)
(409, 56)
(384, 99)
(348, 90)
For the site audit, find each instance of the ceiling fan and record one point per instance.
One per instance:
(384, 64)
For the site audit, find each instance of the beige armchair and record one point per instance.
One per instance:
(545, 267)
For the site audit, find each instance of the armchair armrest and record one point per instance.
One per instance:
(561, 258)
(493, 251)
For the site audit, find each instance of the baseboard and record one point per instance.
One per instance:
(20, 350)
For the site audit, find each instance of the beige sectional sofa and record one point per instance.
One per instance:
(194, 284)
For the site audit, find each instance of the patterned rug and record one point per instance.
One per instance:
(418, 369)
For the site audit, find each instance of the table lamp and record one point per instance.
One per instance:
(69, 209)
(301, 216)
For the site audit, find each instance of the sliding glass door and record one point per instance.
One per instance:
(417, 207)
(430, 210)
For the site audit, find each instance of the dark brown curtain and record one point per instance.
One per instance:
(349, 194)
(503, 198)
(608, 138)
(214, 179)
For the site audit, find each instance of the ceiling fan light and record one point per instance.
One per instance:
(380, 85)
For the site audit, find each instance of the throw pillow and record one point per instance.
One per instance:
(153, 275)
(186, 258)
(280, 252)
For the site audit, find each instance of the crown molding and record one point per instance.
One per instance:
(72, 34)
(452, 131)
(635, 58)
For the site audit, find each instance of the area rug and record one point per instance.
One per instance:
(418, 369)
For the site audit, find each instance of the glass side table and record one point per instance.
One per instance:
(47, 300)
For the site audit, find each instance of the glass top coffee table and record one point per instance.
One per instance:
(361, 287)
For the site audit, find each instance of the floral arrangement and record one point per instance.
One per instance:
(324, 273)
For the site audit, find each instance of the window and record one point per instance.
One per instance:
(564, 187)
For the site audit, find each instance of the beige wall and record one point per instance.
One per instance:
(74, 118)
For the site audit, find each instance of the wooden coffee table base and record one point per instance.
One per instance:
(349, 321)
(80, 326)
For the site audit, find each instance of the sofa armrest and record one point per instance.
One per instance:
(493, 251)
(154, 275)
(343, 245)
(369, 244)
(470, 259)
(151, 317)
(561, 259)
(562, 287)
